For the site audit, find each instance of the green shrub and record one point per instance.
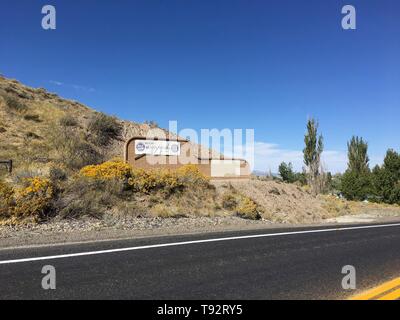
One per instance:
(103, 129)
(32, 117)
(386, 179)
(356, 186)
(286, 172)
(288, 175)
(356, 182)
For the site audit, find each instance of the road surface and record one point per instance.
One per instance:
(297, 263)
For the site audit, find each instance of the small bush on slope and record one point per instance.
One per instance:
(71, 148)
(85, 196)
(103, 129)
(14, 104)
(248, 209)
(241, 205)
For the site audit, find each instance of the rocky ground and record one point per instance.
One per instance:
(92, 229)
(82, 230)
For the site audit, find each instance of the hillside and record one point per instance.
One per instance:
(50, 139)
(31, 122)
(29, 116)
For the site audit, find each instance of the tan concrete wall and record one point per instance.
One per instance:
(188, 156)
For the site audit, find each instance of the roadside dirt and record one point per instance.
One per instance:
(89, 230)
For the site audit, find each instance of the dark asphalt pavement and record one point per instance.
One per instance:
(294, 266)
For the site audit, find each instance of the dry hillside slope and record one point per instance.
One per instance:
(30, 118)
(51, 138)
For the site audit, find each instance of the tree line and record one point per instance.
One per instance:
(358, 182)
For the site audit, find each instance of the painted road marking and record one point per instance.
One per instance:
(387, 291)
(394, 295)
(90, 253)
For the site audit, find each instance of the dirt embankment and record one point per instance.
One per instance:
(289, 203)
(280, 205)
(279, 202)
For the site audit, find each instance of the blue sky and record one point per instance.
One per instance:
(267, 65)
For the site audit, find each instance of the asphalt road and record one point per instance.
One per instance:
(301, 265)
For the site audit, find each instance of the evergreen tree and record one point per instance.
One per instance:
(286, 172)
(386, 179)
(357, 154)
(356, 182)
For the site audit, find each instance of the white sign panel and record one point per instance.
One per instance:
(158, 147)
(225, 168)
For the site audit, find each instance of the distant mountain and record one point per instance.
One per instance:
(264, 173)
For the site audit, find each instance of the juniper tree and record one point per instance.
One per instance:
(357, 180)
(386, 179)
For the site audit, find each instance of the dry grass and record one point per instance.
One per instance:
(280, 202)
(30, 123)
(339, 207)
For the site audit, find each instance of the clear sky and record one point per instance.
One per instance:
(260, 64)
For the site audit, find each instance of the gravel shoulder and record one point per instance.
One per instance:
(89, 230)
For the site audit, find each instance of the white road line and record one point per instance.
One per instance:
(91, 253)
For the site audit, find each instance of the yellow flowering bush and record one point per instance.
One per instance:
(114, 169)
(33, 200)
(169, 180)
(145, 181)
(248, 209)
(6, 200)
(148, 180)
(190, 174)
